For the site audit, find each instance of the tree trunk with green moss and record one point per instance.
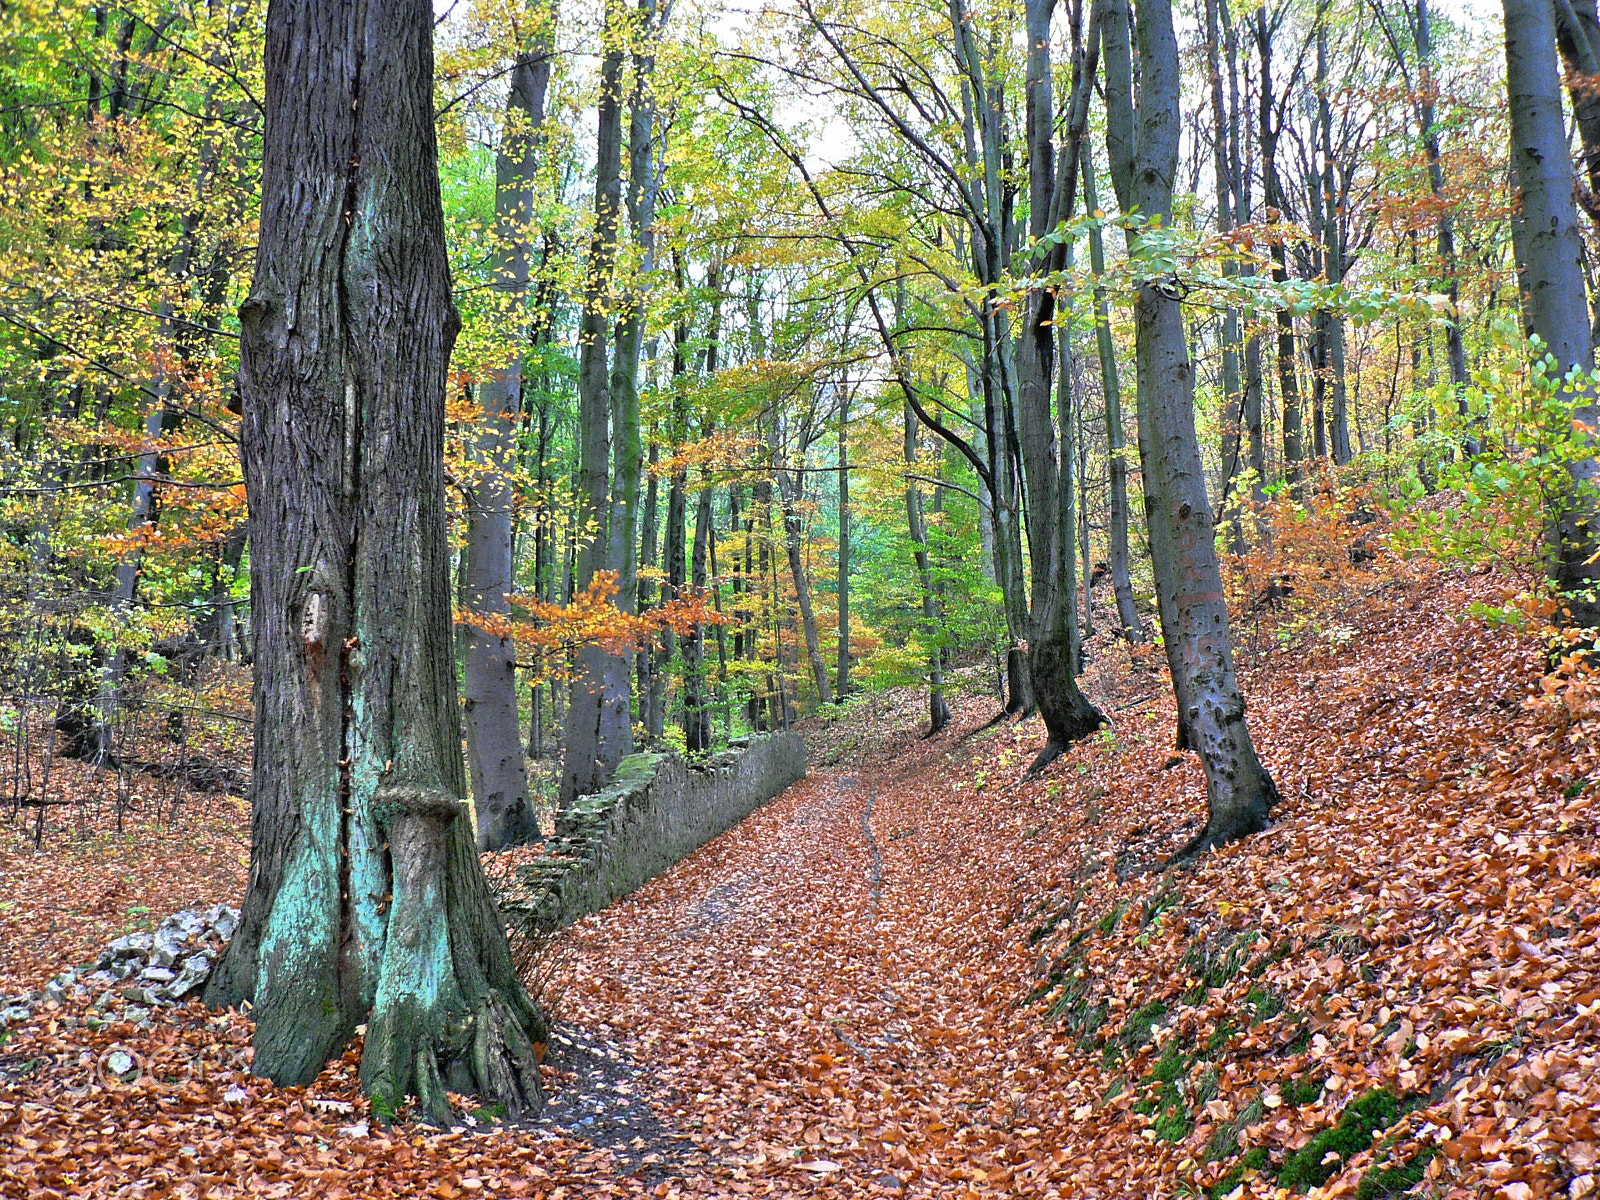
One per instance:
(366, 902)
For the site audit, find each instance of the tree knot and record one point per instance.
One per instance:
(395, 800)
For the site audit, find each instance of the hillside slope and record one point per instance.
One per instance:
(918, 974)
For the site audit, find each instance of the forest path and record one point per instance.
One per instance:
(792, 986)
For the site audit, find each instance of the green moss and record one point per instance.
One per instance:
(1266, 1002)
(1171, 1066)
(385, 1108)
(1141, 1026)
(1164, 902)
(1225, 1141)
(1116, 1087)
(1220, 1038)
(1175, 1124)
(1109, 921)
(1304, 1089)
(1395, 1180)
(489, 1113)
(1364, 1116)
(1255, 1159)
(1205, 1088)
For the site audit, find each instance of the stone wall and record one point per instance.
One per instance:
(657, 810)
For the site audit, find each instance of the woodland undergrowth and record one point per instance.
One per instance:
(918, 973)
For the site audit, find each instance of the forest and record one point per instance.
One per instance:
(1141, 454)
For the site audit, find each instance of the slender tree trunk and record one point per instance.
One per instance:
(1549, 250)
(1116, 439)
(366, 902)
(1460, 377)
(599, 724)
(697, 699)
(916, 526)
(1232, 415)
(789, 493)
(843, 688)
(1054, 650)
(1194, 610)
(1288, 375)
(651, 694)
(498, 771)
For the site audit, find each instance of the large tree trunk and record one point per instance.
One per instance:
(1194, 610)
(366, 902)
(599, 724)
(643, 190)
(498, 771)
(1549, 250)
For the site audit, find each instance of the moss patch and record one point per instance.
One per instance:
(1366, 1115)
(1255, 1159)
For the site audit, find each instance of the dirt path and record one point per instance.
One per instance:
(796, 984)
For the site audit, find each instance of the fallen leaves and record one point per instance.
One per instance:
(1004, 1014)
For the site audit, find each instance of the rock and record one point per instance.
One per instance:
(130, 945)
(107, 999)
(195, 971)
(14, 1015)
(224, 918)
(136, 1015)
(137, 995)
(55, 990)
(157, 975)
(100, 979)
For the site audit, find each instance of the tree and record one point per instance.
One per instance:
(366, 902)
(1054, 649)
(1549, 250)
(599, 724)
(498, 770)
(1143, 139)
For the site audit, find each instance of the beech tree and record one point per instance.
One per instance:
(499, 772)
(1549, 251)
(1142, 137)
(366, 901)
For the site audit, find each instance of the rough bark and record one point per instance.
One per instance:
(1549, 249)
(1193, 608)
(365, 901)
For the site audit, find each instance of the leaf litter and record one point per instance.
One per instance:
(917, 973)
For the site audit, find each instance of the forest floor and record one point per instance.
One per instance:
(918, 974)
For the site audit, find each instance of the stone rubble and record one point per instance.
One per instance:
(139, 971)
